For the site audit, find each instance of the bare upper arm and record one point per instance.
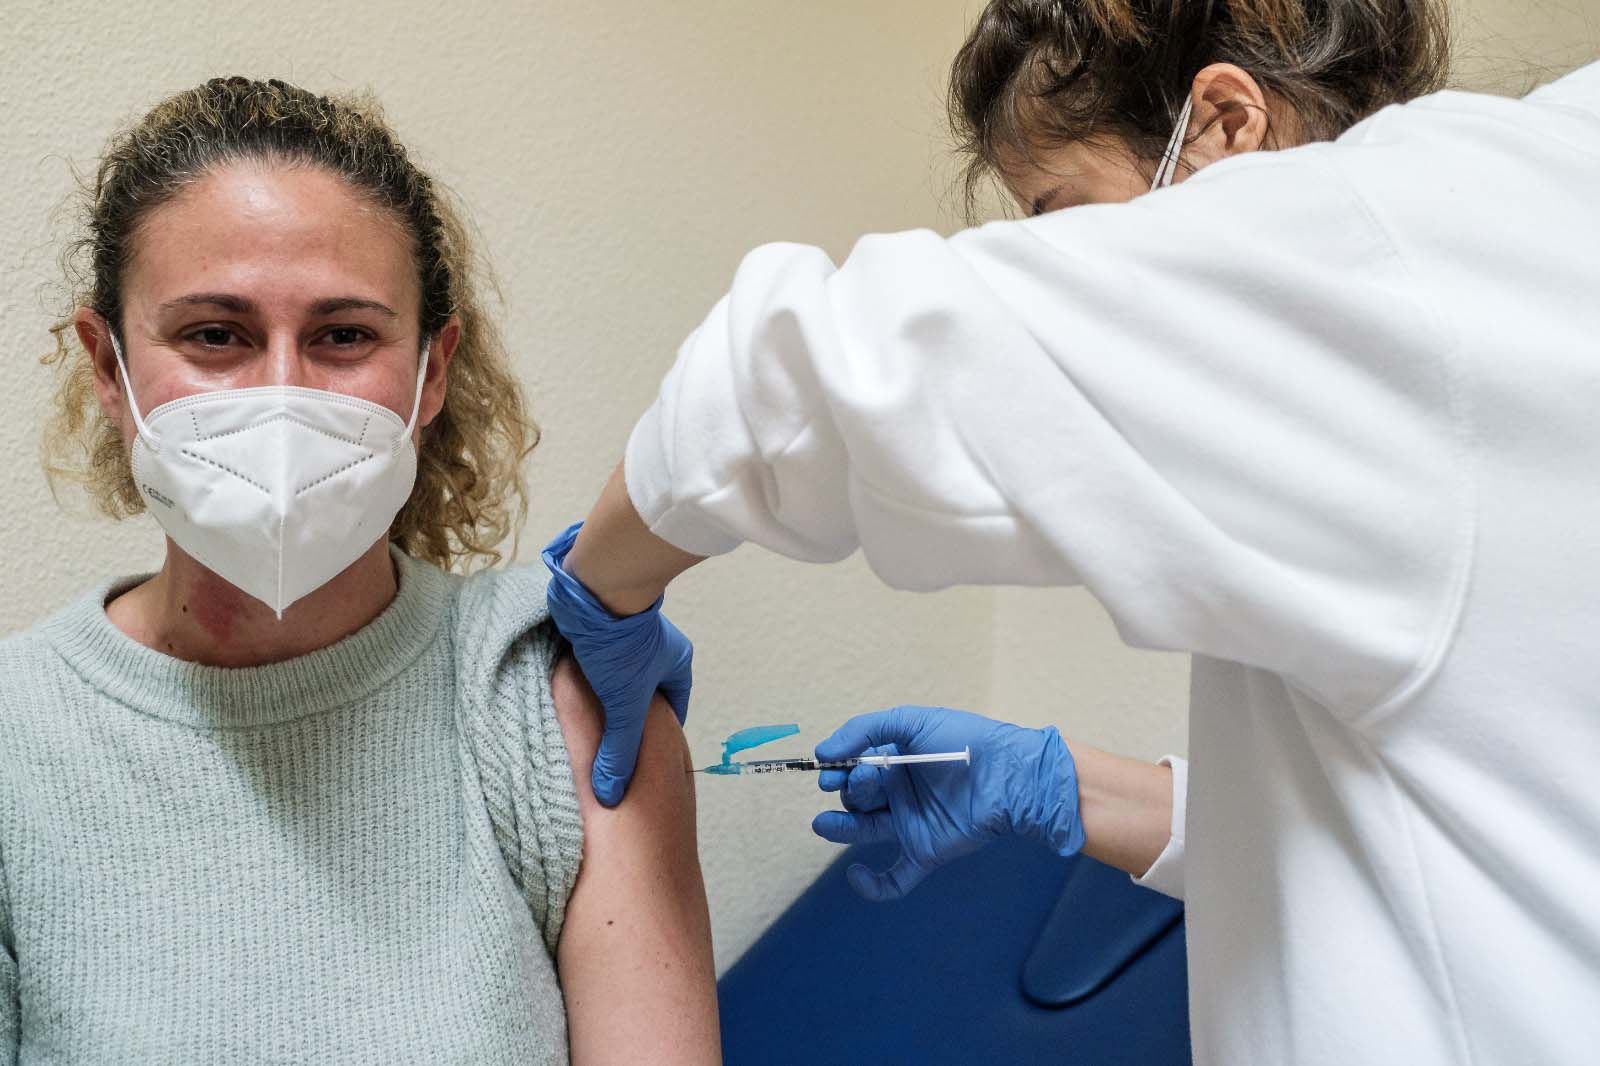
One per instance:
(635, 952)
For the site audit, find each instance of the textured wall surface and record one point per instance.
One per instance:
(619, 160)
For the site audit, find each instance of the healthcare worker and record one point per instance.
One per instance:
(1324, 417)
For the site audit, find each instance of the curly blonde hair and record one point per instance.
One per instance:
(469, 494)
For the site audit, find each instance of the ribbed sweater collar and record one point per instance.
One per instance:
(223, 697)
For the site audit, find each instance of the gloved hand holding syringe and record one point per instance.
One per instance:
(1005, 780)
(763, 734)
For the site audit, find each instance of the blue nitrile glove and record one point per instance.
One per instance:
(1021, 782)
(625, 659)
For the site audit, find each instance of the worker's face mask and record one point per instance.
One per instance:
(1169, 158)
(277, 488)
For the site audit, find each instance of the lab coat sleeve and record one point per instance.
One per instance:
(1223, 408)
(1166, 873)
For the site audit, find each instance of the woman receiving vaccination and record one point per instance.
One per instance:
(1321, 414)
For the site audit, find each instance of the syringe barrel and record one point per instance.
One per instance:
(779, 766)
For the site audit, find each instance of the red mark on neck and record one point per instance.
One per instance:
(217, 606)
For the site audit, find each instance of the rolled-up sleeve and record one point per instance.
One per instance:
(1166, 873)
(1222, 408)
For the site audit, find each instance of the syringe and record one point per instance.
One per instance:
(802, 765)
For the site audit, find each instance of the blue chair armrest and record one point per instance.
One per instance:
(1013, 955)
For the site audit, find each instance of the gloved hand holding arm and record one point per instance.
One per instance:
(626, 648)
(1022, 782)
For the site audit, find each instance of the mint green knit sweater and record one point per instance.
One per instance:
(362, 855)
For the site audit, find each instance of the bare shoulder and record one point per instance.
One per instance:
(664, 762)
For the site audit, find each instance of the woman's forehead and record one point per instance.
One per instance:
(1085, 171)
(1025, 177)
(279, 227)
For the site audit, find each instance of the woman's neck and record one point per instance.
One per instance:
(188, 612)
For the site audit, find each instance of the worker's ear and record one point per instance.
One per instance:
(1230, 117)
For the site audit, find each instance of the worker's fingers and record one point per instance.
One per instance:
(893, 883)
(865, 789)
(677, 696)
(677, 682)
(863, 781)
(832, 780)
(619, 752)
(848, 827)
(897, 725)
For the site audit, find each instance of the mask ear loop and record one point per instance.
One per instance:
(416, 401)
(150, 439)
(1169, 158)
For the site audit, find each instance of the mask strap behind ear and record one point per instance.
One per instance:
(127, 390)
(1169, 158)
(416, 401)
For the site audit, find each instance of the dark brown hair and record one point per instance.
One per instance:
(1037, 73)
(469, 493)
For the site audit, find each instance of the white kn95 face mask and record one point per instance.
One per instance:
(277, 488)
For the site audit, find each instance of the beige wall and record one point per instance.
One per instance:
(620, 158)
(1510, 46)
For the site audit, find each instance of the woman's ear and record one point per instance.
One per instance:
(95, 336)
(440, 353)
(1230, 111)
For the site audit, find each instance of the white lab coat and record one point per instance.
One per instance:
(1328, 419)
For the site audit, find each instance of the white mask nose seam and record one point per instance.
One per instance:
(201, 399)
(220, 396)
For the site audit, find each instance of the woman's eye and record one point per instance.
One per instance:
(344, 336)
(212, 336)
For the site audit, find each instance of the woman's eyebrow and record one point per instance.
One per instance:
(212, 299)
(240, 305)
(335, 304)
